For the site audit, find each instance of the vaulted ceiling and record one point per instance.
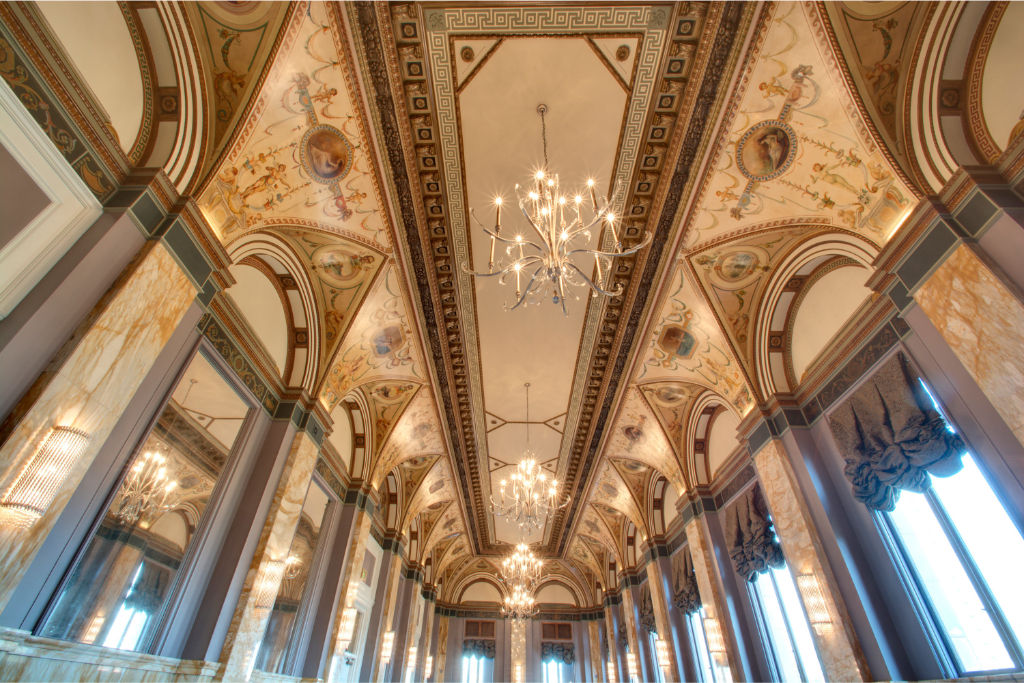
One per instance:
(374, 131)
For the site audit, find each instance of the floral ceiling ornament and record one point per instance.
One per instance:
(554, 254)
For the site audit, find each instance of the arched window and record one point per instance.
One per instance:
(957, 550)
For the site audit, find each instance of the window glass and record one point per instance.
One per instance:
(553, 671)
(120, 584)
(701, 654)
(473, 669)
(963, 551)
(784, 620)
(272, 655)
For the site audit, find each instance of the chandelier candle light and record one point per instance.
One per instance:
(519, 604)
(528, 495)
(521, 568)
(559, 234)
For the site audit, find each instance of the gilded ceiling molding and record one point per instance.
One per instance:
(727, 25)
(976, 126)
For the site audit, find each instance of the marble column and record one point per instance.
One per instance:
(597, 663)
(426, 634)
(838, 647)
(388, 607)
(267, 568)
(981, 320)
(658, 572)
(440, 650)
(632, 622)
(87, 387)
(712, 595)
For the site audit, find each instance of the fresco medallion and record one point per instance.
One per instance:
(325, 154)
(766, 150)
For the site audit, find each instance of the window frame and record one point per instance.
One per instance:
(768, 639)
(918, 592)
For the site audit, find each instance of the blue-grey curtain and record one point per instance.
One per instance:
(754, 547)
(560, 652)
(479, 647)
(686, 595)
(892, 437)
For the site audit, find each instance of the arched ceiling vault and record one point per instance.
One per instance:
(360, 135)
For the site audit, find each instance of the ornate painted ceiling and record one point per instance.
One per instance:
(376, 130)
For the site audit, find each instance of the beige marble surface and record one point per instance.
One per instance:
(441, 651)
(982, 321)
(660, 601)
(267, 568)
(24, 657)
(708, 582)
(629, 612)
(613, 639)
(597, 665)
(840, 652)
(90, 385)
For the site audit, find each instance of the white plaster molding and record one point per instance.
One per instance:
(73, 208)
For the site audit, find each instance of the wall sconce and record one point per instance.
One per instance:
(428, 668)
(814, 601)
(631, 667)
(661, 652)
(346, 630)
(716, 641)
(268, 584)
(613, 676)
(411, 658)
(32, 491)
(386, 646)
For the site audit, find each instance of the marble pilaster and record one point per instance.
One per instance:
(660, 599)
(711, 594)
(629, 615)
(614, 653)
(597, 664)
(267, 568)
(88, 386)
(441, 650)
(838, 647)
(426, 634)
(981, 321)
(518, 651)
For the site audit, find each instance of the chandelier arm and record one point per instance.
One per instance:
(614, 254)
(600, 290)
(526, 260)
(536, 228)
(529, 285)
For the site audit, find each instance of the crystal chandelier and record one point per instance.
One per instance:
(555, 252)
(528, 495)
(147, 490)
(521, 568)
(519, 604)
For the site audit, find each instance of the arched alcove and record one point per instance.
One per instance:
(263, 307)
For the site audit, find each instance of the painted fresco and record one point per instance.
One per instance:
(797, 147)
(637, 435)
(671, 403)
(380, 344)
(386, 401)
(302, 158)
(735, 276)
(416, 433)
(702, 357)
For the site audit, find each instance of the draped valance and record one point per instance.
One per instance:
(478, 647)
(753, 545)
(892, 437)
(560, 652)
(685, 593)
(647, 621)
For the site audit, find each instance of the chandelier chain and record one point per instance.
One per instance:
(542, 109)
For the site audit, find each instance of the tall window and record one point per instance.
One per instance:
(473, 668)
(962, 555)
(757, 557)
(781, 616)
(712, 667)
(954, 544)
(553, 671)
(557, 654)
(123, 578)
(478, 650)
